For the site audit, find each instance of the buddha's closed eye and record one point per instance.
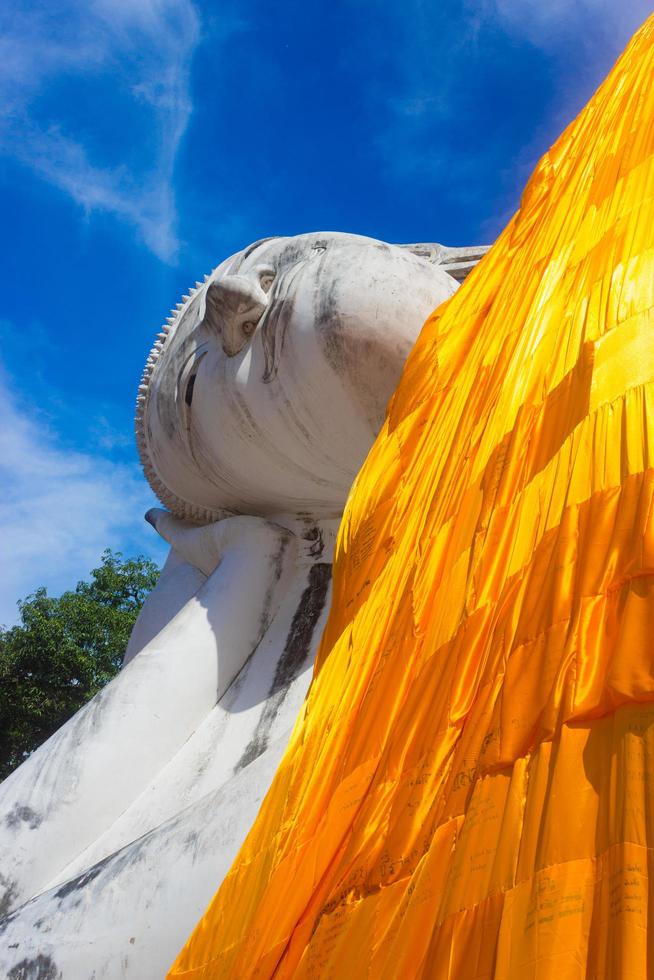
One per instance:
(188, 376)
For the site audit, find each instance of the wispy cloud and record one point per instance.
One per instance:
(59, 508)
(447, 94)
(585, 22)
(139, 48)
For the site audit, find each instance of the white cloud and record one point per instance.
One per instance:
(143, 46)
(587, 22)
(437, 57)
(59, 509)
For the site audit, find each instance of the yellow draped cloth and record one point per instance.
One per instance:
(469, 790)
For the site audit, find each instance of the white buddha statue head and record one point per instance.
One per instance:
(266, 390)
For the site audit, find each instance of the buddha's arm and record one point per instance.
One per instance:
(178, 582)
(74, 786)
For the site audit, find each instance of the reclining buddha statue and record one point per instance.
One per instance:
(259, 403)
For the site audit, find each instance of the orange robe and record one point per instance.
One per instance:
(469, 790)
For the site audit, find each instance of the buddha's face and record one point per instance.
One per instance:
(273, 380)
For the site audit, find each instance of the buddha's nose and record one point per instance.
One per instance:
(234, 306)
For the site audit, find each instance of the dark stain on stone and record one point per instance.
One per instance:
(275, 322)
(191, 843)
(277, 569)
(252, 248)
(273, 332)
(255, 747)
(296, 650)
(315, 536)
(6, 922)
(37, 968)
(278, 566)
(8, 893)
(23, 814)
(327, 301)
(304, 622)
(75, 884)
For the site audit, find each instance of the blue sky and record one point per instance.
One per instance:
(141, 141)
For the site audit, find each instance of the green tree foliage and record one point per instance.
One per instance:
(64, 651)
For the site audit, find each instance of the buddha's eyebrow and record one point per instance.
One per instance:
(252, 248)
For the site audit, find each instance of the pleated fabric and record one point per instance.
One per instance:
(469, 790)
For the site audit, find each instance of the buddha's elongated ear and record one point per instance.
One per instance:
(457, 261)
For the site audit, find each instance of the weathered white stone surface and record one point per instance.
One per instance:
(256, 710)
(258, 404)
(178, 582)
(128, 915)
